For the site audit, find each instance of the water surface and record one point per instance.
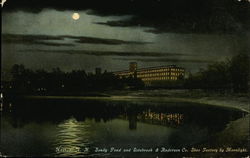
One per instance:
(49, 127)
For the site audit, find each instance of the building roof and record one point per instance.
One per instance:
(151, 68)
(158, 67)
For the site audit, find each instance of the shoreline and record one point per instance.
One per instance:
(161, 96)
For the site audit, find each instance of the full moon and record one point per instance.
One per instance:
(75, 16)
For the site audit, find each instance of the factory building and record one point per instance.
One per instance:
(149, 74)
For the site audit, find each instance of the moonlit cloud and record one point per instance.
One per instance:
(52, 22)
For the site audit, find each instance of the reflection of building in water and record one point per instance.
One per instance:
(161, 118)
(168, 119)
(160, 73)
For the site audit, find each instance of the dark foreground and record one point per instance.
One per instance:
(61, 127)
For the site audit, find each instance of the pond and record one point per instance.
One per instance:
(60, 127)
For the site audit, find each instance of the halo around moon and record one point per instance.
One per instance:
(75, 16)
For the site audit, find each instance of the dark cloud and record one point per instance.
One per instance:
(45, 40)
(215, 23)
(92, 40)
(183, 16)
(174, 60)
(106, 53)
(33, 39)
(107, 7)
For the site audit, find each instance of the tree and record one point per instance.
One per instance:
(17, 71)
(239, 70)
(216, 76)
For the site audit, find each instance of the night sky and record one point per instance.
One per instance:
(41, 34)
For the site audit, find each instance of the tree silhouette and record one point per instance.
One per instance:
(57, 82)
(239, 69)
(230, 75)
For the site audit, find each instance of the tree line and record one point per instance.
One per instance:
(75, 82)
(229, 75)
